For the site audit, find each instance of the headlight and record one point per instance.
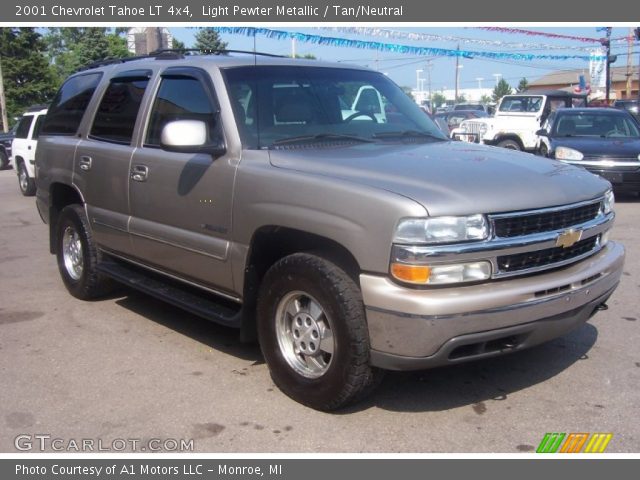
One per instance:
(483, 129)
(441, 274)
(608, 202)
(565, 153)
(441, 230)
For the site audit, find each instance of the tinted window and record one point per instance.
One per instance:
(23, 127)
(118, 110)
(603, 125)
(520, 104)
(38, 127)
(69, 105)
(179, 98)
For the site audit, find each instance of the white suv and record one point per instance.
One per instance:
(517, 119)
(23, 148)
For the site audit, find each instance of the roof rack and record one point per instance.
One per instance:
(210, 51)
(171, 54)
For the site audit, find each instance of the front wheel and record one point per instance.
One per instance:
(77, 255)
(4, 160)
(509, 144)
(313, 333)
(25, 182)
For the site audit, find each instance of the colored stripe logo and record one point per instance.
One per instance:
(574, 443)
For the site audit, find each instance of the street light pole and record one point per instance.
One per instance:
(418, 72)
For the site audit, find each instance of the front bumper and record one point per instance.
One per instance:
(413, 329)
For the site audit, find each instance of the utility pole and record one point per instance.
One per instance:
(429, 65)
(629, 63)
(455, 97)
(637, 35)
(3, 103)
(606, 42)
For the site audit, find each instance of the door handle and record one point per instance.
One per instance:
(139, 173)
(85, 163)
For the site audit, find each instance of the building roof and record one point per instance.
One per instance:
(572, 77)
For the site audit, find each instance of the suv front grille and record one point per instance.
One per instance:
(546, 257)
(516, 226)
(472, 127)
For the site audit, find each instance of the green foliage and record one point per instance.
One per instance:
(177, 44)
(523, 85)
(28, 78)
(461, 98)
(70, 48)
(502, 88)
(485, 99)
(207, 39)
(308, 56)
(438, 99)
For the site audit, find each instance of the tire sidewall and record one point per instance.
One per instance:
(69, 217)
(329, 386)
(508, 145)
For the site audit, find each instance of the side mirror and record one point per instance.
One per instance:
(189, 136)
(542, 133)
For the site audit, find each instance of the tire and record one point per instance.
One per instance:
(4, 160)
(77, 255)
(25, 182)
(544, 151)
(509, 144)
(313, 333)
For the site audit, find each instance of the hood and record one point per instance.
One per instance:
(601, 147)
(450, 178)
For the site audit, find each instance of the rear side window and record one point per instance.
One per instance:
(118, 110)
(38, 126)
(23, 126)
(179, 98)
(69, 105)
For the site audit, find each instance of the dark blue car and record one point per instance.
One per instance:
(605, 141)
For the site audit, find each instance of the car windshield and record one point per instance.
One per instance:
(595, 125)
(521, 104)
(281, 105)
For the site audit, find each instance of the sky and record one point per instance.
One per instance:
(402, 67)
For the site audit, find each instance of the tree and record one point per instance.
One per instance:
(177, 44)
(485, 99)
(208, 39)
(502, 88)
(72, 48)
(307, 56)
(28, 77)
(408, 90)
(437, 100)
(461, 98)
(523, 85)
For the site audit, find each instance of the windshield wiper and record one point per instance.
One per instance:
(408, 134)
(320, 136)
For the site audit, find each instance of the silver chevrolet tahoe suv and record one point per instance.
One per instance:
(247, 190)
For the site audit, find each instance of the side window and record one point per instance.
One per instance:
(118, 110)
(69, 105)
(180, 98)
(38, 126)
(23, 126)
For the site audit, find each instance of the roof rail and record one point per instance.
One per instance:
(210, 51)
(37, 108)
(170, 54)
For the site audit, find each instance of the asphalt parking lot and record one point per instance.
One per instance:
(131, 367)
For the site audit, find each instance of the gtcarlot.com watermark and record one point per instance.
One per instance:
(48, 443)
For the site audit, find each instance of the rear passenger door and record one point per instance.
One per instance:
(181, 203)
(102, 159)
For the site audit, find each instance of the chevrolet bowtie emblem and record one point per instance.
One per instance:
(568, 238)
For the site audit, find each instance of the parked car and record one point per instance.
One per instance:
(517, 119)
(455, 118)
(347, 247)
(605, 141)
(5, 147)
(630, 106)
(24, 146)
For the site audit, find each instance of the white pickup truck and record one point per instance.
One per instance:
(23, 148)
(517, 119)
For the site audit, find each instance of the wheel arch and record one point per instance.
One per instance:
(60, 195)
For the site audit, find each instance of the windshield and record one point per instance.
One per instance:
(521, 104)
(595, 125)
(283, 104)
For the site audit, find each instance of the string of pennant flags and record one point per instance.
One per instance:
(395, 47)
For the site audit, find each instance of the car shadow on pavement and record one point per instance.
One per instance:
(215, 336)
(476, 382)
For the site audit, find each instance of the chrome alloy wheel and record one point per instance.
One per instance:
(304, 334)
(72, 253)
(23, 178)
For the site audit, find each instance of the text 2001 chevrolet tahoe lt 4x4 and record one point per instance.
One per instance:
(248, 191)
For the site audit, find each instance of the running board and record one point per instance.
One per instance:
(188, 298)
